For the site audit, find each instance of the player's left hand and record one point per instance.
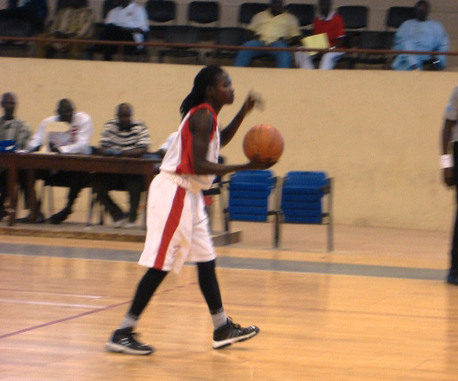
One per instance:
(251, 101)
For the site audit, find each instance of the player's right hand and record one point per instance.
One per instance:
(254, 164)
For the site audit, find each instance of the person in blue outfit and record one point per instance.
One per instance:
(421, 34)
(275, 28)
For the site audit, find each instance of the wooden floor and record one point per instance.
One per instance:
(375, 309)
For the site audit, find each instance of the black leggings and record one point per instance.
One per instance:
(209, 285)
(153, 278)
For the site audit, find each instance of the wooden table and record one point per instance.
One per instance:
(13, 162)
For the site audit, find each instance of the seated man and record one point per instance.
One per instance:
(11, 129)
(126, 22)
(76, 140)
(332, 24)
(122, 137)
(420, 34)
(73, 22)
(273, 27)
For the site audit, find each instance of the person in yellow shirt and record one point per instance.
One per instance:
(273, 27)
(73, 22)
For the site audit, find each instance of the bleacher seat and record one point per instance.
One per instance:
(161, 14)
(248, 10)
(180, 34)
(205, 15)
(395, 16)
(305, 14)
(374, 40)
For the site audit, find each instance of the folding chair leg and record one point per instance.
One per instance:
(330, 239)
(221, 210)
(90, 208)
(277, 229)
(50, 198)
(145, 208)
(330, 219)
(226, 222)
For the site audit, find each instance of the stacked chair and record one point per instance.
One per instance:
(249, 197)
(303, 197)
(302, 201)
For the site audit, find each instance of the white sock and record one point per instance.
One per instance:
(129, 321)
(219, 318)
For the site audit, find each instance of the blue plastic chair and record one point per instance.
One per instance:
(302, 198)
(250, 197)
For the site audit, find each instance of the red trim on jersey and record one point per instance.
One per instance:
(186, 165)
(170, 227)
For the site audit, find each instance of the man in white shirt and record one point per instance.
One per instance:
(126, 22)
(75, 140)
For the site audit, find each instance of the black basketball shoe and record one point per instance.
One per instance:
(232, 333)
(123, 341)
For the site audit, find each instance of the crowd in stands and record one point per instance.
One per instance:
(275, 26)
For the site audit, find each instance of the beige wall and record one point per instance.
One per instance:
(375, 132)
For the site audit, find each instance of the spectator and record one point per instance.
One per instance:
(11, 129)
(420, 34)
(75, 140)
(332, 24)
(126, 22)
(273, 27)
(450, 172)
(122, 137)
(32, 11)
(74, 22)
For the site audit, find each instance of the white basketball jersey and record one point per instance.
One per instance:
(179, 159)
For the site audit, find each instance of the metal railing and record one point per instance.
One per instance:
(213, 47)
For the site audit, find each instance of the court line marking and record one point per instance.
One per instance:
(51, 293)
(68, 318)
(54, 304)
(82, 314)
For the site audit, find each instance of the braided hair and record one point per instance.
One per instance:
(206, 77)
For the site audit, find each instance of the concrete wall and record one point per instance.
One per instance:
(375, 132)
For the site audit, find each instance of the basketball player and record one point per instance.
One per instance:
(177, 226)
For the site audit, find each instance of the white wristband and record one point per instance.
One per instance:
(446, 161)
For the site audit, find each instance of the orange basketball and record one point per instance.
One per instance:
(262, 143)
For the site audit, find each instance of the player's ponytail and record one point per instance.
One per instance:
(206, 77)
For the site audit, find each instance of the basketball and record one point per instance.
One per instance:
(263, 143)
